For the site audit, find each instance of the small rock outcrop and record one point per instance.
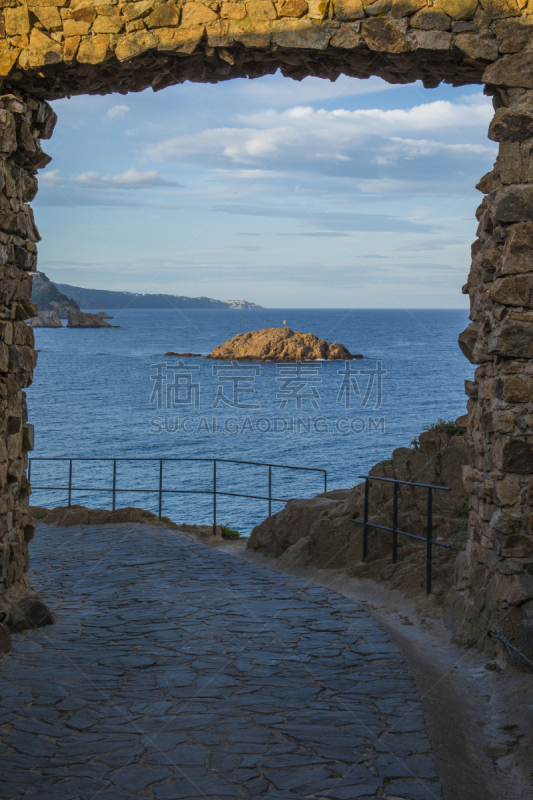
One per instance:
(184, 355)
(280, 344)
(83, 320)
(104, 315)
(30, 612)
(46, 319)
(81, 515)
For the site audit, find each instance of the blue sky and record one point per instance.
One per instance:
(353, 194)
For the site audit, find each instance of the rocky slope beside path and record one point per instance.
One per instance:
(82, 320)
(318, 532)
(81, 515)
(280, 344)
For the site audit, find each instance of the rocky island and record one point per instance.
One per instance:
(46, 319)
(84, 320)
(280, 344)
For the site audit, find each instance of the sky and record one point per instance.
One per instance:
(311, 194)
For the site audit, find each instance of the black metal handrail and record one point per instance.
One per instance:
(161, 491)
(395, 530)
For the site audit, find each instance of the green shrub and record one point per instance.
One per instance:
(450, 427)
(414, 443)
(229, 533)
(460, 534)
(460, 509)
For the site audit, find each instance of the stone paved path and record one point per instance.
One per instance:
(177, 671)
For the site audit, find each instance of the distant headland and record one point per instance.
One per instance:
(103, 298)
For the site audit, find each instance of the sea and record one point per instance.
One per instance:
(112, 396)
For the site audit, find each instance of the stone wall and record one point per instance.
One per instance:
(69, 47)
(23, 120)
(494, 581)
(50, 50)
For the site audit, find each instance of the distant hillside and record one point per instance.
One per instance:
(49, 298)
(102, 298)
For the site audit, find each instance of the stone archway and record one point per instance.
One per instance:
(50, 50)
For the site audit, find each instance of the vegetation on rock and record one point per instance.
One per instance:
(229, 533)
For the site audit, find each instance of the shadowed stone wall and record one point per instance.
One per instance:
(50, 50)
(23, 119)
(494, 583)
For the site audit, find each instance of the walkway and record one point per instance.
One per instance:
(177, 671)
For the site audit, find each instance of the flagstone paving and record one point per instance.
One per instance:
(177, 671)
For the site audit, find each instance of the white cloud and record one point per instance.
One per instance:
(429, 147)
(427, 116)
(389, 186)
(337, 135)
(129, 179)
(289, 92)
(51, 177)
(248, 174)
(336, 156)
(117, 112)
(299, 190)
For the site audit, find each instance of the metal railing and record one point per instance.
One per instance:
(160, 491)
(395, 531)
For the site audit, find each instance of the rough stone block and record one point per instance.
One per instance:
(196, 14)
(510, 126)
(30, 612)
(292, 8)
(180, 40)
(301, 33)
(166, 15)
(428, 19)
(457, 9)
(433, 40)
(382, 35)
(514, 205)
(513, 290)
(348, 10)
(516, 256)
(233, 11)
(516, 456)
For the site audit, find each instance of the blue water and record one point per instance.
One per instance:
(92, 391)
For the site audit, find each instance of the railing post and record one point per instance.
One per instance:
(69, 482)
(325, 481)
(365, 522)
(214, 497)
(395, 524)
(114, 481)
(29, 469)
(429, 553)
(269, 490)
(160, 486)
